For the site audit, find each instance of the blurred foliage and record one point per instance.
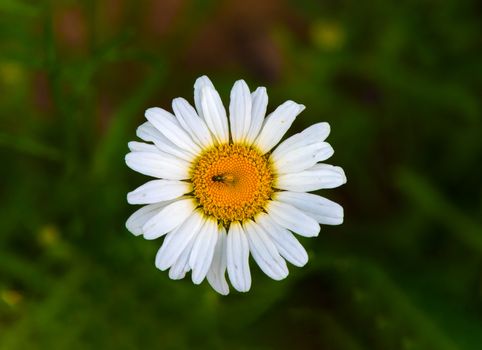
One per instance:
(400, 83)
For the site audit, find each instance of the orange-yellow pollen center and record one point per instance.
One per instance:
(232, 182)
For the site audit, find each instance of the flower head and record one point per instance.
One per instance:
(223, 191)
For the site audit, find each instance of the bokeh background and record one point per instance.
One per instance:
(400, 83)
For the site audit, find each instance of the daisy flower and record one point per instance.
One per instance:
(223, 191)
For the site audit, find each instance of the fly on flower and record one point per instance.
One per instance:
(223, 191)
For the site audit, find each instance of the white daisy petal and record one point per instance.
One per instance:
(141, 216)
(313, 134)
(148, 132)
(240, 111)
(319, 176)
(293, 219)
(214, 113)
(276, 125)
(192, 123)
(179, 269)
(303, 158)
(168, 218)
(264, 251)
(237, 257)
(216, 274)
(167, 124)
(203, 250)
(157, 191)
(198, 85)
(286, 243)
(158, 164)
(258, 111)
(176, 241)
(141, 147)
(321, 209)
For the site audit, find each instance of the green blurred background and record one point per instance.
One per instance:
(400, 84)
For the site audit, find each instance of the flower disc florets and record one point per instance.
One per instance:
(232, 182)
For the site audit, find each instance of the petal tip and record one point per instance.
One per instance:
(203, 80)
(151, 111)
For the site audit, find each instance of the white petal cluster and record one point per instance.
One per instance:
(199, 243)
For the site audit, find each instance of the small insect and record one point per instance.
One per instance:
(218, 178)
(224, 178)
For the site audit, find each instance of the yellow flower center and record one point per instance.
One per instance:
(232, 182)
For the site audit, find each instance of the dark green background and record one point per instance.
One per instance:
(400, 83)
